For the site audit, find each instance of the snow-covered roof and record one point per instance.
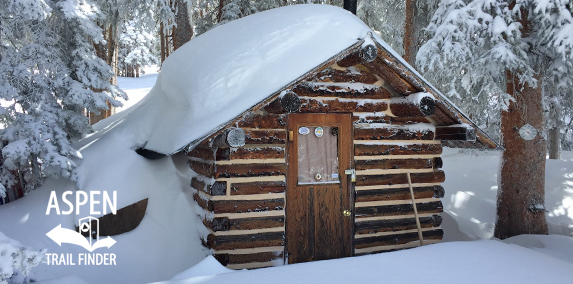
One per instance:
(220, 74)
(216, 77)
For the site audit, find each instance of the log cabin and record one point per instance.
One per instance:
(336, 155)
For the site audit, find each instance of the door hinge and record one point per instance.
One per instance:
(290, 135)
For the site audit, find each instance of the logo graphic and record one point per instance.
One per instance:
(89, 226)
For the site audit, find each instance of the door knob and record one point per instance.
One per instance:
(346, 213)
(352, 174)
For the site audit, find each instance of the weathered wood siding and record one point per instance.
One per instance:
(243, 189)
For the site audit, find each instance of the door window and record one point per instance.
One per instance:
(317, 154)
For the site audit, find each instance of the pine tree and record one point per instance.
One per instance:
(49, 72)
(512, 57)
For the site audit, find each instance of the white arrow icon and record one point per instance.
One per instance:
(62, 235)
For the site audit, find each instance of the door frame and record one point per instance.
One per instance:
(344, 122)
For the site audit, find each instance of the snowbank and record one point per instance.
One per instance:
(485, 261)
(471, 194)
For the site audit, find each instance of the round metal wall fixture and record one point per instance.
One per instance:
(369, 53)
(290, 102)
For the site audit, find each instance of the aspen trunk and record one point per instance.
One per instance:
(554, 143)
(521, 198)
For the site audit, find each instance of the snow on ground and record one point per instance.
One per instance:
(167, 240)
(479, 262)
(137, 88)
(471, 194)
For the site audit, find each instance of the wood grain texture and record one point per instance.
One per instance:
(315, 226)
(126, 219)
(230, 154)
(242, 206)
(349, 75)
(397, 239)
(395, 225)
(391, 179)
(399, 209)
(318, 90)
(260, 187)
(410, 149)
(267, 121)
(226, 259)
(265, 137)
(394, 164)
(338, 106)
(400, 85)
(392, 133)
(245, 241)
(403, 193)
(227, 224)
(249, 170)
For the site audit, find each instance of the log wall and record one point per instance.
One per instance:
(243, 189)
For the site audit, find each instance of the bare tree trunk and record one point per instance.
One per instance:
(183, 31)
(410, 34)
(554, 143)
(521, 197)
(162, 40)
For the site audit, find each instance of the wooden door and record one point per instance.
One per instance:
(318, 191)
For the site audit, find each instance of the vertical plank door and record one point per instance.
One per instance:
(318, 191)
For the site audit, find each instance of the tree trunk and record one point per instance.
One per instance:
(521, 197)
(410, 38)
(162, 40)
(554, 143)
(183, 31)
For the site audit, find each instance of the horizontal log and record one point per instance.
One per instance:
(231, 137)
(203, 203)
(391, 179)
(397, 239)
(392, 133)
(250, 153)
(226, 224)
(398, 209)
(218, 188)
(250, 170)
(226, 259)
(267, 121)
(443, 115)
(206, 169)
(334, 106)
(364, 55)
(388, 119)
(405, 149)
(394, 164)
(388, 75)
(403, 193)
(265, 137)
(260, 187)
(352, 75)
(231, 242)
(242, 206)
(318, 90)
(455, 133)
(407, 107)
(198, 185)
(393, 225)
(202, 152)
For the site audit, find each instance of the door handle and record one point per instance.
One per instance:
(347, 213)
(352, 174)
